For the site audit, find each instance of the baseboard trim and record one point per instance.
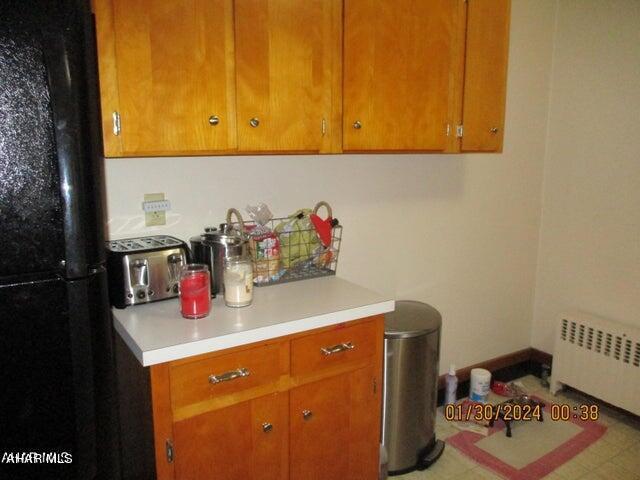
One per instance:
(543, 358)
(514, 359)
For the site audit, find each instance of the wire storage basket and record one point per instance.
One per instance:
(288, 249)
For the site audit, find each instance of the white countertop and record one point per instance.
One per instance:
(157, 333)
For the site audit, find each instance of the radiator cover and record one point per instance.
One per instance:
(599, 357)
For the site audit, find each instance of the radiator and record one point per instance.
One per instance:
(598, 357)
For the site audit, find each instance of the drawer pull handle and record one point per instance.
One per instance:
(307, 414)
(225, 377)
(267, 427)
(341, 347)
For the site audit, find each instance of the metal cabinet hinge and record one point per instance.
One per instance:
(169, 451)
(459, 131)
(117, 127)
(323, 127)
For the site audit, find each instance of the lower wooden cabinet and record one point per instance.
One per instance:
(302, 407)
(334, 428)
(247, 441)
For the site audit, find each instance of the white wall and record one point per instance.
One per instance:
(458, 231)
(589, 255)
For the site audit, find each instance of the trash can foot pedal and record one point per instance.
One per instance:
(431, 456)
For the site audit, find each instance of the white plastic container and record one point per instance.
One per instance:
(480, 385)
(451, 386)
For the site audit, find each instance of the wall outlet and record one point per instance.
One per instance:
(153, 217)
(156, 206)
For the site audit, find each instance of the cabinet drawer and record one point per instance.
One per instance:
(202, 380)
(337, 347)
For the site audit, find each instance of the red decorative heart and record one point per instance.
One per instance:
(323, 228)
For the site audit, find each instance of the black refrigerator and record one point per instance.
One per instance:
(57, 383)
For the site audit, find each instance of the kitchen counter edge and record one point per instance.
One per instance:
(250, 335)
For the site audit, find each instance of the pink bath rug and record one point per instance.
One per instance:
(536, 448)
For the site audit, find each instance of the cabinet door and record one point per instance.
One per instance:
(485, 77)
(175, 78)
(247, 441)
(335, 428)
(284, 55)
(398, 57)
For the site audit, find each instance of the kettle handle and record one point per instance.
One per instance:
(321, 204)
(234, 211)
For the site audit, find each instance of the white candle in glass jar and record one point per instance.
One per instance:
(238, 282)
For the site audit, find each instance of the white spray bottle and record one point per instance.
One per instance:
(451, 386)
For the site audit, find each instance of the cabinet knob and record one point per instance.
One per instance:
(307, 414)
(267, 427)
(494, 130)
(254, 122)
(214, 120)
(357, 125)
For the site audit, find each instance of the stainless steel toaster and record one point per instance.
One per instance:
(144, 269)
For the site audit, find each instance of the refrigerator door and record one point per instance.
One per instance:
(31, 214)
(57, 394)
(50, 171)
(70, 59)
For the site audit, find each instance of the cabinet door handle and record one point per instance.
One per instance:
(494, 130)
(254, 122)
(341, 347)
(357, 125)
(168, 449)
(232, 375)
(267, 427)
(214, 120)
(307, 414)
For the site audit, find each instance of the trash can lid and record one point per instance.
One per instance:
(411, 319)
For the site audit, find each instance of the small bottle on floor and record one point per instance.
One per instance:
(451, 389)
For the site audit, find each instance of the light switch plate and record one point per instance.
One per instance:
(156, 217)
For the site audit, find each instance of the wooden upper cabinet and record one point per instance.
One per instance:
(107, 68)
(201, 77)
(398, 58)
(173, 75)
(285, 53)
(485, 75)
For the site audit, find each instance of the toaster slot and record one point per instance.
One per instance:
(175, 262)
(140, 273)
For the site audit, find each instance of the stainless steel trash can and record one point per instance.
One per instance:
(412, 352)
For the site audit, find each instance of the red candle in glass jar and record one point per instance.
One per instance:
(195, 291)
